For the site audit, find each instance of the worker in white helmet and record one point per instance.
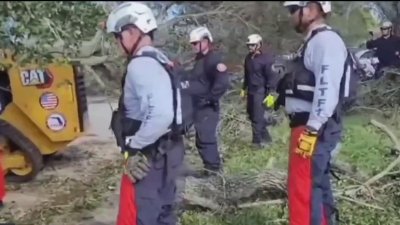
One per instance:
(208, 82)
(387, 47)
(259, 82)
(142, 123)
(313, 94)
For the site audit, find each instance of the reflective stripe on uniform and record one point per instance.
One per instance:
(289, 91)
(301, 87)
(347, 82)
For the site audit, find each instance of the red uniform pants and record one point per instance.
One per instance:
(2, 182)
(309, 190)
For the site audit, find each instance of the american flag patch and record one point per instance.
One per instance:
(49, 101)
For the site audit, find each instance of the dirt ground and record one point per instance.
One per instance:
(78, 186)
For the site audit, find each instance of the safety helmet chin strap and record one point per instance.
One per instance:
(135, 45)
(210, 47)
(257, 50)
(200, 53)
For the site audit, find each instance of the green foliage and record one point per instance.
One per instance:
(389, 8)
(258, 216)
(370, 22)
(45, 28)
(232, 22)
(242, 157)
(353, 29)
(364, 147)
(40, 26)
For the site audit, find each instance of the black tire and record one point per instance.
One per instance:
(4, 100)
(31, 152)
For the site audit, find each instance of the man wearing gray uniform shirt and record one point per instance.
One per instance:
(313, 93)
(145, 114)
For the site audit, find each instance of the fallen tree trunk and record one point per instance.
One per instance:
(221, 194)
(217, 193)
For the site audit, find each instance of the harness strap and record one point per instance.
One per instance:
(174, 125)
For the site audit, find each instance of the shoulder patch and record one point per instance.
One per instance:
(221, 67)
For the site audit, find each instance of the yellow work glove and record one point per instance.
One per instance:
(307, 143)
(242, 93)
(269, 101)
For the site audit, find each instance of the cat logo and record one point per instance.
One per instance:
(34, 77)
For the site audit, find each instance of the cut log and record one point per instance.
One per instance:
(223, 192)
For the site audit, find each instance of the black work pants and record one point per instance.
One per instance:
(256, 111)
(206, 121)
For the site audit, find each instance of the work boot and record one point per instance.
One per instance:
(212, 171)
(265, 138)
(334, 217)
(271, 121)
(208, 171)
(258, 146)
(202, 173)
(262, 145)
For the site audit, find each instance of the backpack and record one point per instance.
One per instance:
(183, 119)
(348, 94)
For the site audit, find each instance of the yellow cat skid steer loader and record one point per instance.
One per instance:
(42, 109)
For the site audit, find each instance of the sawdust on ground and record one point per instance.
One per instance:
(70, 171)
(78, 186)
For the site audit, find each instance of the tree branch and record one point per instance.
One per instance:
(392, 164)
(220, 10)
(387, 170)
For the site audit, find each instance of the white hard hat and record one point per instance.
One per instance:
(199, 33)
(325, 5)
(254, 39)
(386, 24)
(134, 13)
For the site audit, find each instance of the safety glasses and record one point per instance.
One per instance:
(293, 9)
(117, 35)
(194, 43)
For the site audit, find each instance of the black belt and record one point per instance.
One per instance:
(152, 150)
(298, 119)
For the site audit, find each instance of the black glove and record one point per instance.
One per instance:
(137, 167)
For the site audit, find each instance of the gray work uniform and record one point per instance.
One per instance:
(207, 85)
(324, 61)
(259, 81)
(148, 98)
